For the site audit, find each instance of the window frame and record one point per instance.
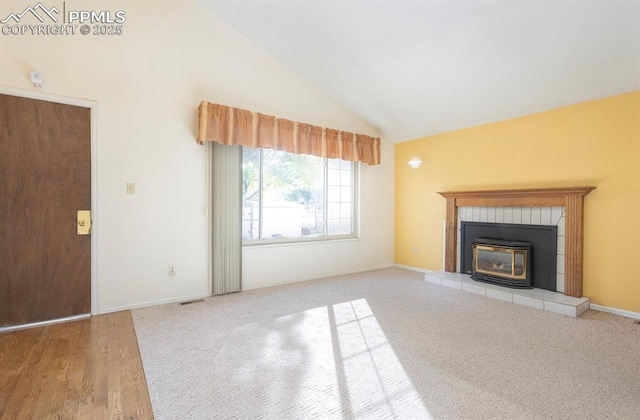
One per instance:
(355, 233)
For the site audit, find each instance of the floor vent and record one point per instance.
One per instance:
(189, 302)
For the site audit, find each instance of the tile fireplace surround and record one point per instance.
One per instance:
(517, 215)
(569, 198)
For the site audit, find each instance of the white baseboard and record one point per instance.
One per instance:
(152, 303)
(622, 312)
(44, 323)
(418, 269)
(309, 278)
(203, 296)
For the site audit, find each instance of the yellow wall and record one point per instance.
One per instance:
(593, 143)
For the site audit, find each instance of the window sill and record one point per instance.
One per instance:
(251, 243)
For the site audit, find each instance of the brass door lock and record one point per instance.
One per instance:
(84, 222)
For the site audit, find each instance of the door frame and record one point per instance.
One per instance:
(93, 107)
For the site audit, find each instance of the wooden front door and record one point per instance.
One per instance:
(45, 178)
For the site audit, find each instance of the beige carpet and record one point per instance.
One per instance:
(384, 345)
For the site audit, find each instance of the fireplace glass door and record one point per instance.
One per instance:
(510, 262)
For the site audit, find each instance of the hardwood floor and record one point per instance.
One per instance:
(86, 369)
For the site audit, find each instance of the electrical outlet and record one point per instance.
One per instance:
(36, 79)
(415, 250)
(172, 269)
(131, 188)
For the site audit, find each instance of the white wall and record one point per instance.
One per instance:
(148, 83)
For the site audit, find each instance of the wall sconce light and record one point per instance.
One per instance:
(415, 163)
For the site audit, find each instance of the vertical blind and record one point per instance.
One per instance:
(226, 218)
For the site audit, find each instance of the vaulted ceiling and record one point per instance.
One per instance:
(414, 68)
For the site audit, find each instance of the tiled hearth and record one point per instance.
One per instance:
(535, 298)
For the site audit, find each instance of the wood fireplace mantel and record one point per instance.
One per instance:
(571, 198)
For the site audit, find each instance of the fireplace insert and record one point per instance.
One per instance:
(541, 261)
(507, 263)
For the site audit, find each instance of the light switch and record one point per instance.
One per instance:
(131, 188)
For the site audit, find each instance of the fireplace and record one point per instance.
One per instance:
(502, 262)
(512, 255)
(571, 198)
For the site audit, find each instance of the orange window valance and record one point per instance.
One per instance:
(234, 126)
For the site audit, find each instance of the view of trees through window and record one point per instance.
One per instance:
(288, 195)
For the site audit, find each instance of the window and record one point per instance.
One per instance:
(299, 197)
